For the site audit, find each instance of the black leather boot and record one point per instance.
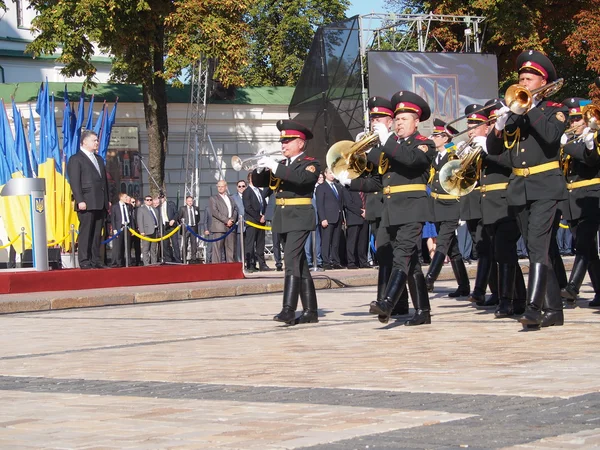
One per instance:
(460, 272)
(396, 284)
(291, 289)
(484, 265)
(520, 295)
(506, 286)
(553, 305)
(493, 299)
(437, 262)
(536, 291)
(401, 307)
(594, 273)
(420, 301)
(559, 269)
(383, 275)
(580, 266)
(308, 297)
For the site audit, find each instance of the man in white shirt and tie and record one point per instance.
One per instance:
(191, 216)
(87, 175)
(224, 214)
(120, 217)
(254, 211)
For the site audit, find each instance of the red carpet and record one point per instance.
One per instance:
(77, 279)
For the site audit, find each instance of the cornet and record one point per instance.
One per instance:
(251, 163)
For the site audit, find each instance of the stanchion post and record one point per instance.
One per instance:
(241, 233)
(315, 266)
(22, 246)
(126, 243)
(184, 239)
(72, 231)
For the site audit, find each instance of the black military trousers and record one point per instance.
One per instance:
(254, 246)
(585, 237)
(446, 241)
(294, 256)
(482, 243)
(535, 220)
(504, 235)
(405, 242)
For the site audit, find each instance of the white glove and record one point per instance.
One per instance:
(359, 136)
(343, 178)
(481, 141)
(589, 140)
(382, 132)
(502, 118)
(563, 139)
(268, 163)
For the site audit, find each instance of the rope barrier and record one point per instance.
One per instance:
(255, 225)
(11, 242)
(114, 236)
(60, 241)
(191, 231)
(144, 238)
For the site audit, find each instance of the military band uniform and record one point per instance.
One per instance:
(581, 167)
(529, 143)
(293, 182)
(404, 164)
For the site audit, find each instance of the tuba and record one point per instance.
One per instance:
(249, 164)
(459, 176)
(350, 156)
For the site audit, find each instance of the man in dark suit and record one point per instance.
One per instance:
(191, 216)
(148, 222)
(357, 228)
(120, 217)
(329, 212)
(87, 175)
(169, 216)
(293, 182)
(254, 211)
(224, 214)
(134, 241)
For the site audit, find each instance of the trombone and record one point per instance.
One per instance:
(591, 117)
(251, 163)
(519, 100)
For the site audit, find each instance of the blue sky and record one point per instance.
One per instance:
(361, 7)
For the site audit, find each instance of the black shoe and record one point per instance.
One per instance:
(596, 302)
(279, 267)
(352, 267)
(337, 267)
(420, 318)
(265, 268)
(459, 293)
(553, 318)
(99, 265)
(251, 269)
(327, 267)
(86, 266)
(492, 300)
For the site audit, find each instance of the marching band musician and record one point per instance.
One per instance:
(404, 162)
(581, 166)
(529, 143)
(498, 225)
(380, 111)
(446, 212)
(293, 181)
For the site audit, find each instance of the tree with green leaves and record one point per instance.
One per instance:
(567, 31)
(281, 36)
(151, 42)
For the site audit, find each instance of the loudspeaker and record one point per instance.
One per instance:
(54, 261)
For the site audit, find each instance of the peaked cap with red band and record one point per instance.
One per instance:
(439, 127)
(406, 101)
(476, 113)
(532, 61)
(380, 106)
(493, 106)
(291, 130)
(574, 106)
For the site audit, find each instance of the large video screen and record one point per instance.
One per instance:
(447, 81)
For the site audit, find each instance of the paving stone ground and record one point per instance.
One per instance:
(218, 373)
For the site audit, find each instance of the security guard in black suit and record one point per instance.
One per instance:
(404, 161)
(446, 210)
(581, 166)
(529, 143)
(498, 224)
(293, 182)
(380, 111)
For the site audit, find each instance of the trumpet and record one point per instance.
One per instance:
(591, 117)
(251, 163)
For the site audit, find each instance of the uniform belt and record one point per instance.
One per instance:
(493, 187)
(404, 188)
(535, 169)
(293, 201)
(444, 196)
(583, 183)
